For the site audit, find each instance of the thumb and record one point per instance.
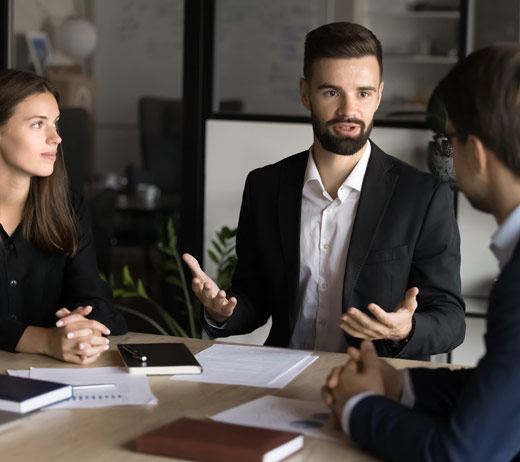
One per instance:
(369, 357)
(410, 299)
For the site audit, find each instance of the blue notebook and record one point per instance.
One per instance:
(23, 395)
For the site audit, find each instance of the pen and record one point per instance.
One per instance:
(135, 354)
(93, 386)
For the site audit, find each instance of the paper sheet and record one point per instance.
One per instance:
(249, 365)
(312, 418)
(129, 389)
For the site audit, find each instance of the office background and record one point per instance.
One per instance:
(235, 65)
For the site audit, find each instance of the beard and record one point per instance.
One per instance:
(342, 145)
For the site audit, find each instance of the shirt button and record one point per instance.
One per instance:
(13, 317)
(325, 246)
(11, 246)
(13, 283)
(324, 285)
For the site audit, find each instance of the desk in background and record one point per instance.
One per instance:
(108, 434)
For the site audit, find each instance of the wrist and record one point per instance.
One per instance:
(34, 340)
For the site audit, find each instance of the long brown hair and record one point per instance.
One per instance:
(48, 220)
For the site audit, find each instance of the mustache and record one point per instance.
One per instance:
(349, 120)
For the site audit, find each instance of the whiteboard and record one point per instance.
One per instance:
(139, 53)
(259, 52)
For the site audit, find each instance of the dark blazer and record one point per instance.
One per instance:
(466, 415)
(405, 234)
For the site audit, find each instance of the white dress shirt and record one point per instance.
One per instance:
(503, 245)
(326, 228)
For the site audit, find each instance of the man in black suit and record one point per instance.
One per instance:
(468, 414)
(342, 225)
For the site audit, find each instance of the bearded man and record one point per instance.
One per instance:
(343, 242)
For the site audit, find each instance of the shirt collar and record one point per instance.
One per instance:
(353, 181)
(506, 237)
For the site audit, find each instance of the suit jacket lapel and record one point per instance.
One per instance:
(289, 213)
(376, 193)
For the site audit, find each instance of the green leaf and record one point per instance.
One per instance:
(215, 244)
(127, 277)
(173, 280)
(140, 289)
(213, 256)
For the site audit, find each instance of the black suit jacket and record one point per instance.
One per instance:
(405, 234)
(464, 415)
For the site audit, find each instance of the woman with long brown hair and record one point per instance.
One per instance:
(52, 300)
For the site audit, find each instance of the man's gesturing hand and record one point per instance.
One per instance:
(212, 298)
(394, 326)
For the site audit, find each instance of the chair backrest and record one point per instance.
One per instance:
(75, 131)
(161, 133)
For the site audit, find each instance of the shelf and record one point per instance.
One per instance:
(419, 59)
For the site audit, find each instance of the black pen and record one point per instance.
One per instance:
(135, 354)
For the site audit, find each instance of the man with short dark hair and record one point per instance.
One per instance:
(468, 414)
(326, 231)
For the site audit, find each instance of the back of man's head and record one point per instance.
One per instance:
(481, 95)
(340, 40)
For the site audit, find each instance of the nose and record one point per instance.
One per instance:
(53, 137)
(347, 106)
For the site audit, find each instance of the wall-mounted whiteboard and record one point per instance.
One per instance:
(139, 53)
(259, 51)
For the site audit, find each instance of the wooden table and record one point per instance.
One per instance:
(108, 434)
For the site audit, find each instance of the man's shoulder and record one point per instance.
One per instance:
(292, 163)
(409, 175)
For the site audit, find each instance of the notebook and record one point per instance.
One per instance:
(212, 441)
(18, 394)
(161, 358)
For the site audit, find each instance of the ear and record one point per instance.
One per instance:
(479, 155)
(304, 93)
(380, 93)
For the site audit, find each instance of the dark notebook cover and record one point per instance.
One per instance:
(18, 394)
(213, 441)
(162, 358)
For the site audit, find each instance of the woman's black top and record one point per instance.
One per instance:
(35, 284)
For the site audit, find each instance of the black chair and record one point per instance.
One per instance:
(75, 131)
(161, 133)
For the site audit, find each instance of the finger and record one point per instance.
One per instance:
(327, 396)
(62, 312)
(82, 323)
(360, 325)
(94, 350)
(333, 378)
(369, 356)
(78, 333)
(379, 314)
(354, 353)
(194, 266)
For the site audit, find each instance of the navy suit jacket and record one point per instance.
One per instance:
(405, 234)
(464, 415)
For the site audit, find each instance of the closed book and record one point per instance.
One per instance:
(19, 394)
(213, 441)
(161, 358)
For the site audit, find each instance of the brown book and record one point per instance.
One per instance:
(213, 441)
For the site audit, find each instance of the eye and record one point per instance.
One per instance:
(38, 124)
(331, 93)
(364, 94)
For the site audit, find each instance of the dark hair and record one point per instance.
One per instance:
(340, 40)
(481, 95)
(47, 219)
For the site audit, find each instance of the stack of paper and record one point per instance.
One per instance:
(126, 389)
(312, 418)
(250, 365)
